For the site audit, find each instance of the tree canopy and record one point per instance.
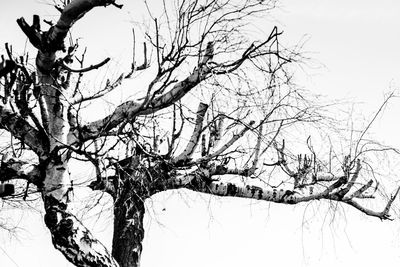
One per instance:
(214, 109)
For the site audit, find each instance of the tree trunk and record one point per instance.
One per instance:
(73, 239)
(128, 230)
(68, 234)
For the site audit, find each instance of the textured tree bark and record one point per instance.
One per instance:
(138, 178)
(128, 229)
(68, 234)
(72, 238)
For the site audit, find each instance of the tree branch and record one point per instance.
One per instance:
(256, 151)
(22, 130)
(201, 180)
(228, 144)
(194, 139)
(74, 11)
(131, 109)
(91, 67)
(53, 40)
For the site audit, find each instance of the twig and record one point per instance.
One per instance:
(91, 67)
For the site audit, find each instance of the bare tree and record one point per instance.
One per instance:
(217, 106)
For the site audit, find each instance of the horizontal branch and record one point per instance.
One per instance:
(204, 180)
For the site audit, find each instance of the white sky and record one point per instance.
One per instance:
(358, 42)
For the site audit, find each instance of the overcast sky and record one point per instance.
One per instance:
(358, 43)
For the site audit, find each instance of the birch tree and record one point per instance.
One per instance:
(219, 105)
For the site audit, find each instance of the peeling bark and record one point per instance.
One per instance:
(69, 235)
(137, 179)
(72, 238)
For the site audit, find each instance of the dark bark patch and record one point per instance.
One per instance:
(274, 194)
(53, 207)
(260, 194)
(231, 189)
(288, 197)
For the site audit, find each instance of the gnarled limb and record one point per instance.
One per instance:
(72, 238)
(69, 235)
